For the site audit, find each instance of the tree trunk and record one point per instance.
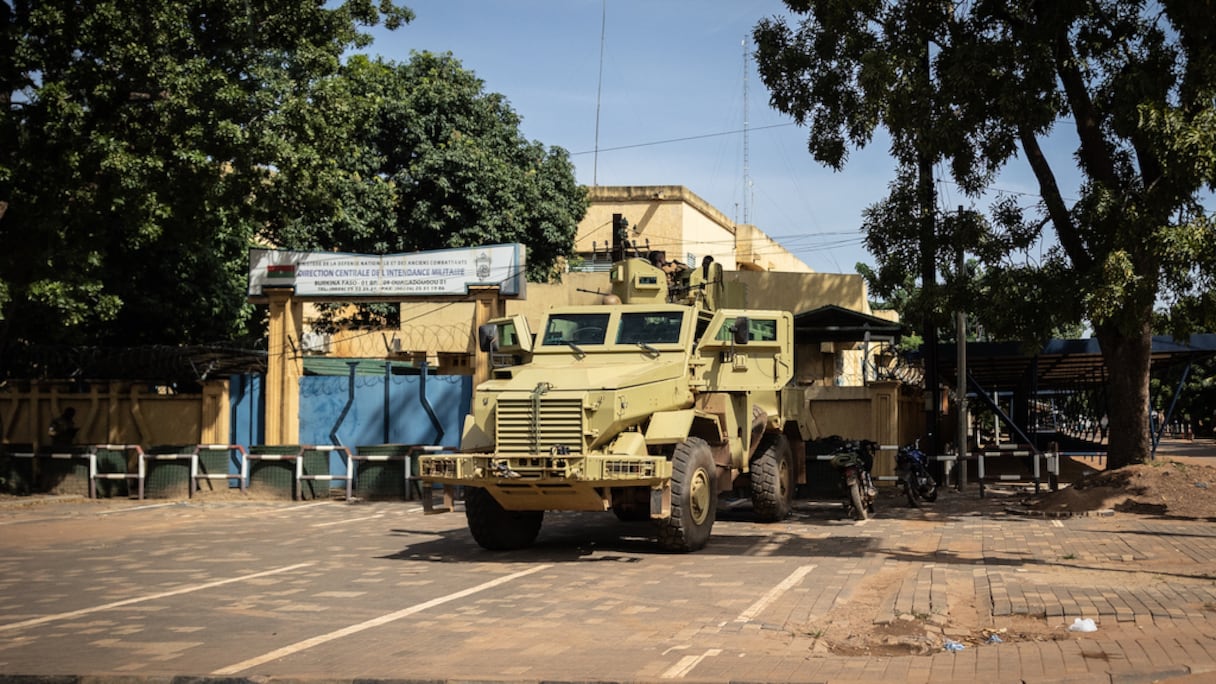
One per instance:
(1127, 364)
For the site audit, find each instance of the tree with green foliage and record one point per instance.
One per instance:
(132, 147)
(385, 157)
(1132, 84)
(143, 153)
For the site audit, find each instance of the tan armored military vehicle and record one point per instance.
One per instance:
(647, 408)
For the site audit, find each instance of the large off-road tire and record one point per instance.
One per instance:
(495, 528)
(694, 498)
(858, 504)
(773, 479)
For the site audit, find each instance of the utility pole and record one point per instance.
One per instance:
(747, 172)
(928, 270)
(960, 336)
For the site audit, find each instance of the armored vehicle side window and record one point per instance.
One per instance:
(654, 327)
(577, 328)
(507, 335)
(758, 330)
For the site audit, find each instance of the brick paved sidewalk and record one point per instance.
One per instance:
(638, 615)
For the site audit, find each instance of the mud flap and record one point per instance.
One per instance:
(660, 501)
(428, 498)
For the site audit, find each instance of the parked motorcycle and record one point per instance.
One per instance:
(912, 469)
(853, 461)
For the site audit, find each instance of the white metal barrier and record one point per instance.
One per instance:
(348, 477)
(941, 458)
(95, 475)
(297, 458)
(411, 482)
(1041, 462)
(242, 466)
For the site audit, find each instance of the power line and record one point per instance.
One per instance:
(599, 88)
(684, 139)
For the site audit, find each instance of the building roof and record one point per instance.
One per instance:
(1060, 364)
(833, 323)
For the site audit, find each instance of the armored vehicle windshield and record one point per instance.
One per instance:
(599, 328)
(650, 327)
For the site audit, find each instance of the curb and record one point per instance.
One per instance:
(1162, 675)
(1100, 513)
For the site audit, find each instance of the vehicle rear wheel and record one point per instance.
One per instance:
(859, 507)
(929, 493)
(694, 498)
(496, 528)
(772, 479)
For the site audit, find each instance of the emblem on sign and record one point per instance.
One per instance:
(483, 266)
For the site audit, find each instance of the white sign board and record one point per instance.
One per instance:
(413, 274)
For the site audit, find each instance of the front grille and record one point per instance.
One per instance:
(629, 468)
(539, 424)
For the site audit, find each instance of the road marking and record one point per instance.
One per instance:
(150, 597)
(374, 622)
(679, 647)
(687, 663)
(315, 503)
(774, 593)
(1057, 523)
(349, 520)
(137, 508)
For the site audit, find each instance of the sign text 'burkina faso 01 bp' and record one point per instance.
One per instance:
(411, 274)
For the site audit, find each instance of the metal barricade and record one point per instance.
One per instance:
(261, 458)
(160, 467)
(302, 477)
(384, 455)
(100, 464)
(216, 457)
(1040, 462)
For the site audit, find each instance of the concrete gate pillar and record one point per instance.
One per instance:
(284, 366)
(487, 305)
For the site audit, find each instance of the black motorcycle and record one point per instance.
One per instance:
(853, 461)
(912, 469)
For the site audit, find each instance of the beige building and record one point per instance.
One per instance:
(674, 220)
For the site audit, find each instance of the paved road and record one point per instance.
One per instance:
(335, 591)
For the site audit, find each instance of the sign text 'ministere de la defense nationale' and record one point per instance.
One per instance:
(440, 272)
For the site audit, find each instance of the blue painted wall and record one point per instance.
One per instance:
(247, 408)
(324, 399)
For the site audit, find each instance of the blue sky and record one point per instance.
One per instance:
(671, 107)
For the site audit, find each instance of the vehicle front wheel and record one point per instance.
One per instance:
(496, 528)
(859, 507)
(694, 498)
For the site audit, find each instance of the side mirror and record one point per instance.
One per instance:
(487, 337)
(740, 330)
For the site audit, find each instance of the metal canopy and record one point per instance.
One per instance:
(1060, 364)
(833, 323)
